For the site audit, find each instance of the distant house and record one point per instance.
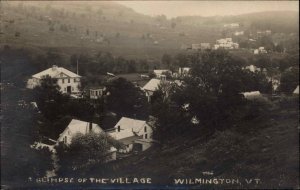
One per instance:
(78, 126)
(68, 81)
(252, 95)
(82, 127)
(184, 71)
(232, 25)
(260, 50)
(226, 43)
(196, 46)
(239, 33)
(204, 46)
(296, 91)
(252, 68)
(263, 33)
(133, 133)
(153, 86)
(161, 72)
(96, 92)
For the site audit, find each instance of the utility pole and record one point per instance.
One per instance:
(77, 66)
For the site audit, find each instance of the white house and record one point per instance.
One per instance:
(68, 81)
(96, 92)
(77, 126)
(239, 33)
(226, 43)
(153, 86)
(82, 127)
(132, 132)
(183, 71)
(161, 72)
(252, 95)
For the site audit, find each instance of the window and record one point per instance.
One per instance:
(145, 129)
(74, 80)
(63, 81)
(65, 139)
(72, 89)
(146, 136)
(68, 80)
(65, 89)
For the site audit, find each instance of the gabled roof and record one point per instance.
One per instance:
(128, 128)
(296, 91)
(82, 127)
(132, 124)
(55, 72)
(152, 85)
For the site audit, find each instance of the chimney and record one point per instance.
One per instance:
(90, 126)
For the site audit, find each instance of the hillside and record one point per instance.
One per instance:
(265, 148)
(270, 20)
(90, 27)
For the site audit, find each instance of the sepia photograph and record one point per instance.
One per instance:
(135, 95)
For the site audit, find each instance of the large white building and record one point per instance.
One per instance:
(68, 81)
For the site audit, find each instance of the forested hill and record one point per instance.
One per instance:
(90, 27)
(277, 21)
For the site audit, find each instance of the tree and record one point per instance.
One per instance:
(289, 80)
(85, 150)
(126, 99)
(166, 59)
(209, 99)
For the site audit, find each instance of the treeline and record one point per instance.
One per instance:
(210, 98)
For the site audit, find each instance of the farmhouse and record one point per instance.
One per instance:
(77, 126)
(133, 133)
(82, 127)
(68, 81)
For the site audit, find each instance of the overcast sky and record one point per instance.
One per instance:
(207, 8)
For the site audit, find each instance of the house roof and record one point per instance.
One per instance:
(128, 123)
(251, 95)
(296, 91)
(78, 126)
(152, 85)
(128, 128)
(54, 72)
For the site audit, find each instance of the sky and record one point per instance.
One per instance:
(208, 8)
